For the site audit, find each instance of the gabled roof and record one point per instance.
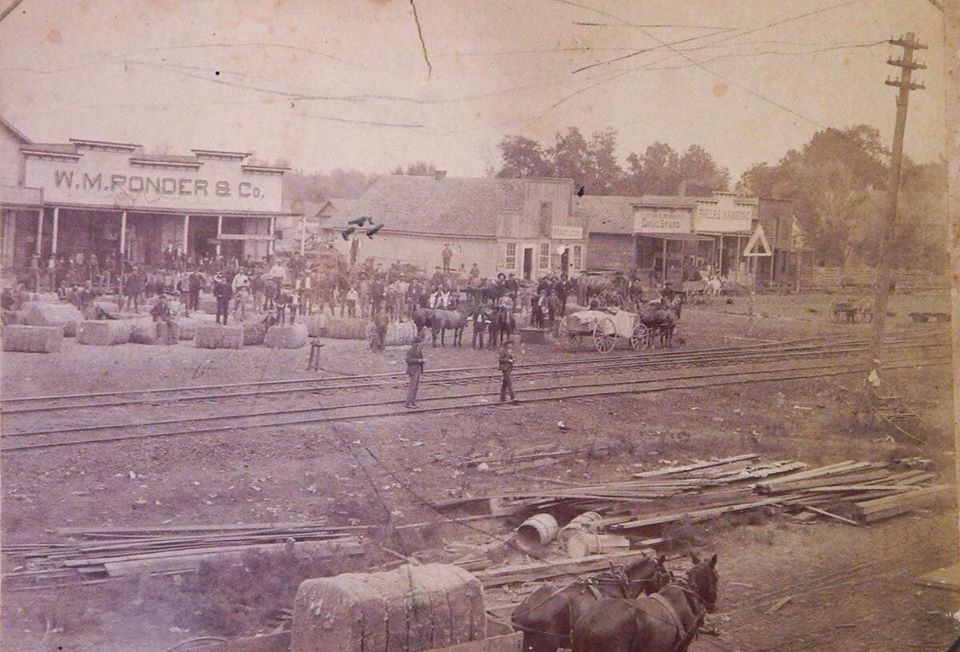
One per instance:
(426, 204)
(16, 132)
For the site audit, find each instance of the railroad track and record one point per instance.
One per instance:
(623, 384)
(651, 361)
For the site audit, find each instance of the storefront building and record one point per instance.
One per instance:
(523, 227)
(670, 238)
(115, 200)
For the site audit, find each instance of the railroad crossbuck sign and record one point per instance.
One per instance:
(758, 245)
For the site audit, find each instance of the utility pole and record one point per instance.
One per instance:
(885, 265)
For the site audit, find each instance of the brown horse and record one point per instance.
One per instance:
(441, 320)
(666, 621)
(548, 614)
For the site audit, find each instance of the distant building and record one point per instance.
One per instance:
(792, 261)
(521, 226)
(103, 198)
(668, 237)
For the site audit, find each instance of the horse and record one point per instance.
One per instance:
(422, 318)
(547, 616)
(666, 621)
(441, 320)
(502, 326)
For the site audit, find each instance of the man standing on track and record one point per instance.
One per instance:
(506, 361)
(414, 369)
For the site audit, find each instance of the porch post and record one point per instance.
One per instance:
(720, 264)
(219, 231)
(39, 231)
(303, 233)
(664, 263)
(186, 231)
(273, 226)
(56, 220)
(123, 234)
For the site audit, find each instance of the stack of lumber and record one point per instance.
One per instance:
(64, 315)
(32, 339)
(103, 332)
(850, 491)
(286, 336)
(519, 460)
(408, 609)
(349, 328)
(120, 551)
(217, 336)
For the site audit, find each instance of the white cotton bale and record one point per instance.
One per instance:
(103, 332)
(217, 336)
(64, 315)
(108, 307)
(32, 339)
(253, 333)
(400, 334)
(45, 297)
(208, 304)
(316, 325)
(146, 331)
(409, 609)
(186, 328)
(286, 336)
(349, 328)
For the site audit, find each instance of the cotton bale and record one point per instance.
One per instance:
(64, 315)
(208, 304)
(253, 333)
(400, 334)
(286, 336)
(187, 327)
(218, 336)
(349, 328)
(409, 609)
(147, 331)
(316, 325)
(32, 339)
(103, 332)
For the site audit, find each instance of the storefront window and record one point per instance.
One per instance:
(577, 257)
(510, 260)
(545, 256)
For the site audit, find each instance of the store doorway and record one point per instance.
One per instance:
(565, 261)
(528, 263)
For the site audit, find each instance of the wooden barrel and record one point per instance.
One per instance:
(536, 531)
(578, 524)
(582, 544)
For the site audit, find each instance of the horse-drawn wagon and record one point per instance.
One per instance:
(603, 328)
(851, 310)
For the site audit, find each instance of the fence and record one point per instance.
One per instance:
(906, 280)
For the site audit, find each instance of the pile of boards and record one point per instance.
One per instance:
(849, 491)
(118, 551)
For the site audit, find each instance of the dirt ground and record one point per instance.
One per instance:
(850, 588)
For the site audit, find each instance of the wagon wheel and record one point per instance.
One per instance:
(604, 335)
(836, 315)
(569, 340)
(640, 339)
(867, 315)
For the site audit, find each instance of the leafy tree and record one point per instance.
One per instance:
(523, 157)
(418, 169)
(605, 172)
(570, 155)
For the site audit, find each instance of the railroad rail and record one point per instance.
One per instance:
(732, 375)
(794, 349)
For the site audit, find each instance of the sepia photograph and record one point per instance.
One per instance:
(699, 262)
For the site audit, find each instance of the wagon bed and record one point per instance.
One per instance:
(604, 329)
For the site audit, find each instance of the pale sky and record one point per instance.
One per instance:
(327, 84)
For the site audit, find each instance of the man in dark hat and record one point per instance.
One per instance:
(223, 292)
(506, 360)
(162, 319)
(414, 369)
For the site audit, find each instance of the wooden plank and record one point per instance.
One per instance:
(942, 578)
(784, 485)
(550, 569)
(695, 466)
(882, 508)
(823, 512)
(697, 514)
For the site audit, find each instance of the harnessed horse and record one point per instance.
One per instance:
(666, 621)
(441, 320)
(547, 616)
